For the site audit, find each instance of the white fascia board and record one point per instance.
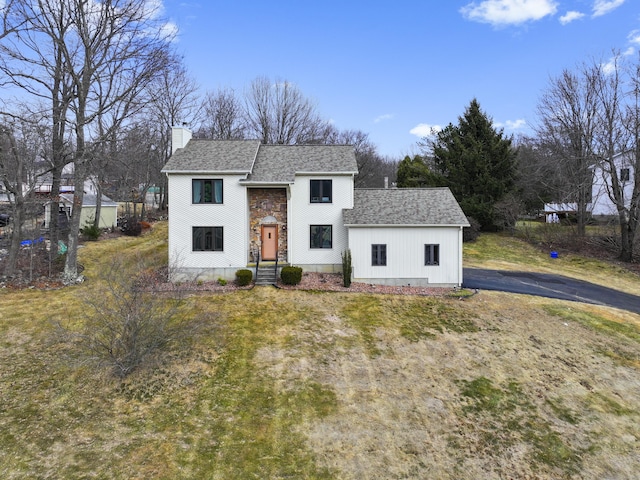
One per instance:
(250, 183)
(205, 172)
(327, 174)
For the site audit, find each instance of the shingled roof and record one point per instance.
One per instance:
(213, 156)
(404, 206)
(262, 163)
(280, 163)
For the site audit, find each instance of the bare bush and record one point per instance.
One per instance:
(128, 324)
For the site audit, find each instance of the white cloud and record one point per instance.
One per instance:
(511, 125)
(170, 30)
(613, 62)
(425, 130)
(508, 12)
(382, 118)
(634, 37)
(602, 7)
(570, 17)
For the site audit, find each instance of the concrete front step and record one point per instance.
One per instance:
(266, 276)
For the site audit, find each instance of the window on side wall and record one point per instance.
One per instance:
(625, 174)
(378, 254)
(432, 254)
(320, 236)
(206, 190)
(207, 239)
(321, 191)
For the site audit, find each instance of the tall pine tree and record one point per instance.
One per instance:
(476, 162)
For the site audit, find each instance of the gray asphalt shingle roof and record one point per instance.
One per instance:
(273, 163)
(280, 163)
(211, 156)
(404, 206)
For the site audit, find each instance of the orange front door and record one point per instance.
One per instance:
(269, 242)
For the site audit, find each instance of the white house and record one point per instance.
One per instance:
(235, 202)
(601, 204)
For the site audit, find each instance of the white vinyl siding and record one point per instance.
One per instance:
(230, 215)
(303, 213)
(405, 254)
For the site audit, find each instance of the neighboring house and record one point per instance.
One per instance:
(233, 202)
(601, 204)
(108, 210)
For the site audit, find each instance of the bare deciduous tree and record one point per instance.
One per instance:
(223, 116)
(172, 100)
(21, 152)
(616, 141)
(87, 58)
(278, 113)
(568, 113)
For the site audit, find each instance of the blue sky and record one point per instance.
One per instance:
(394, 68)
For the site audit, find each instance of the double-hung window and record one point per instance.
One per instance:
(207, 239)
(321, 191)
(378, 254)
(432, 254)
(320, 236)
(206, 190)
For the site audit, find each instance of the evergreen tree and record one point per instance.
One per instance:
(476, 162)
(415, 173)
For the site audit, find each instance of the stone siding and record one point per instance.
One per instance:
(265, 202)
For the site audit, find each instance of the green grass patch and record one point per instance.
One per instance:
(561, 411)
(419, 318)
(415, 317)
(604, 403)
(550, 449)
(366, 313)
(594, 321)
(503, 416)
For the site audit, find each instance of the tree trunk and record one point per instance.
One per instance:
(96, 220)
(71, 263)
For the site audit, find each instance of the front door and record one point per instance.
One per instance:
(269, 242)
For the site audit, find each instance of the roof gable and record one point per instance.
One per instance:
(404, 206)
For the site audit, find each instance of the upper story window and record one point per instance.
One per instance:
(321, 191)
(206, 190)
(625, 174)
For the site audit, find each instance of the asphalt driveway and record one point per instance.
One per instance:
(551, 286)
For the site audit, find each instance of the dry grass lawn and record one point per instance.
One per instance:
(292, 384)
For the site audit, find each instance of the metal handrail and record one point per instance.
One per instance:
(257, 252)
(276, 270)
